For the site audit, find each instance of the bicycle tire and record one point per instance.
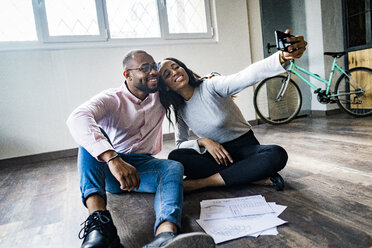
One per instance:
(277, 112)
(358, 104)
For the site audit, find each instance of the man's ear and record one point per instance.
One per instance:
(126, 74)
(167, 88)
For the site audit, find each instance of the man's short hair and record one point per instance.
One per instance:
(129, 56)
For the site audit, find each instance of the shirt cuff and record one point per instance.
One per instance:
(286, 64)
(100, 147)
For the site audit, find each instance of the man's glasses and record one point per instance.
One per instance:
(146, 68)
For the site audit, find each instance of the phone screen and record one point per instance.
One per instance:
(280, 38)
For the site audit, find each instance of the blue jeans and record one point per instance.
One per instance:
(160, 176)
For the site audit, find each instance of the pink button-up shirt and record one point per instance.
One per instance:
(132, 125)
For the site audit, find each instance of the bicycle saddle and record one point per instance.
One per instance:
(335, 55)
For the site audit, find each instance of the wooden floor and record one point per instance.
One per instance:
(328, 193)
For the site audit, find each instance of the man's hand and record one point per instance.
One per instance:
(125, 173)
(298, 48)
(218, 152)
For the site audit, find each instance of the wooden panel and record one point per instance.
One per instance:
(362, 58)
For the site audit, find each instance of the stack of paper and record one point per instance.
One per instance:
(227, 219)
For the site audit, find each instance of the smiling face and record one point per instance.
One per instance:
(173, 75)
(141, 83)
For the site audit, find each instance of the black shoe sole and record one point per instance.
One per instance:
(277, 181)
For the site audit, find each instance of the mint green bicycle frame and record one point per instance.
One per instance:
(294, 67)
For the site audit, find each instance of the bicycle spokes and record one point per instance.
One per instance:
(277, 100)
(354, 92)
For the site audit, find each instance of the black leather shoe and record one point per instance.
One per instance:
(187, 240)
(277, 181)
(99, 231)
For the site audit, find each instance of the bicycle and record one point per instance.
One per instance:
(278, 100)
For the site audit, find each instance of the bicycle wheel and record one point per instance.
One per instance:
(355, 92)
(273, 109)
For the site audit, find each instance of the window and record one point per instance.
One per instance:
(17, 21)
(71, 20)
(133, 19)
(53, 21)
(358, 16)
(187, 17)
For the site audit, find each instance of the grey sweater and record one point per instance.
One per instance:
(212, 113)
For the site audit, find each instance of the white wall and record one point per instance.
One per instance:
(40, 88)
(315, 46)
(255, 30)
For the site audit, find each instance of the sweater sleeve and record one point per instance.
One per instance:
(182, 137)
(229, 85)
(83, 126)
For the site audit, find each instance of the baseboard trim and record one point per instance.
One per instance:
(255, 122)
(322, 113)
(37, 158)
(168, 136)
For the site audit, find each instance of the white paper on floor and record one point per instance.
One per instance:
(227, 219)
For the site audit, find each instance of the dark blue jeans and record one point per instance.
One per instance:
(160, 176)
(252, 161)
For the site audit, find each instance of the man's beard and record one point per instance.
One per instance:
(146, 89)
(152, 90)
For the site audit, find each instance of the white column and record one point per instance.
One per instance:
(315, 48)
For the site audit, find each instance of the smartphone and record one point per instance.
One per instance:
(281, 43)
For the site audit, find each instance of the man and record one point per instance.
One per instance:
(118, 130)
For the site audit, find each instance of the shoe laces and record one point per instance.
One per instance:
(94, 222)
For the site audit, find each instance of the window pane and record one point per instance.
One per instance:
(357, 30)
(133, 18)
(186, 16)
(17, 21)
(71, 17)
(355, 7)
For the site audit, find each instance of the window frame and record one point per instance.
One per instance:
(163, 19)
(45, 41)
(347, 46)
(42, 25)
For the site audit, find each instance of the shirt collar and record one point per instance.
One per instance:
(132, 97)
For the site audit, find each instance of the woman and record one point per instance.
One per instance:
(226, 152)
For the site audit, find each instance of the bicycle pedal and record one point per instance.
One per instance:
(317, 90)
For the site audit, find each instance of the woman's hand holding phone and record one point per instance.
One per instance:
(292, 47)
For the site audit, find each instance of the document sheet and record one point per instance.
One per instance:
(227, 219)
